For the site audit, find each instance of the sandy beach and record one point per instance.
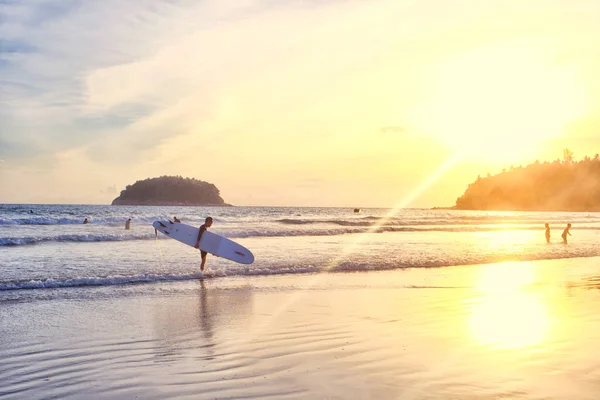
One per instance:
(520, 330)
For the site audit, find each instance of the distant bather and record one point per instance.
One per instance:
(565, 233)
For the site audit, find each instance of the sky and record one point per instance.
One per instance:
(349, 103)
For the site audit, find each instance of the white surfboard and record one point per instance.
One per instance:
(210, 242)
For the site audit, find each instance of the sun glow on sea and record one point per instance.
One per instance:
(506, 315)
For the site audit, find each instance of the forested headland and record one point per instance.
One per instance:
(170, 191)
(560, 185)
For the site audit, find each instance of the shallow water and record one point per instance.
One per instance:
(519, 330)
(46, 246)
(376, 304)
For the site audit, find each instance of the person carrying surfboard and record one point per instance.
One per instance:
(207, 224)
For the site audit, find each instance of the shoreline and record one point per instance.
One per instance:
(240, 272)
(481, 331)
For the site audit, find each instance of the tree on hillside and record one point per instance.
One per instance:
(565, 184)
(567, 156)
(170, 189)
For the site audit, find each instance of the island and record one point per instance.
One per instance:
(561, 185)
(170, 191)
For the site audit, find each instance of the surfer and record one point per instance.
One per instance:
(175, 219)
(85, 221)
(547, 233)
(565, 233)
(128, 224)
(207, 224)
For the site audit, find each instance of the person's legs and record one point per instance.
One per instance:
(203, 255)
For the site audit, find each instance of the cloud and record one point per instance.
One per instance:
(159, 83)
(112, 189)
(151, 74)
(53, 46)
(392, 129)
(116, 75)
(70, 78)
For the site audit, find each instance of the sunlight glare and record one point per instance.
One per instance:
(507, 316)
(499, 103)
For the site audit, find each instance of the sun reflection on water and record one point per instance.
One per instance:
(507, 315)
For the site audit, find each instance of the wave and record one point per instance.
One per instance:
(24, 241)
(90, 238)
(455, 221)
(363, 221)
(52, 283)
(341, 222)
(112, 221)
(342, 266)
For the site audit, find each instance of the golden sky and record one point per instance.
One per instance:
(296, 103)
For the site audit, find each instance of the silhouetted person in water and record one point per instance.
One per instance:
(207, 223)
(547, 233)
(85, 221)
(128, 224)
(175, 219)
(565, 233)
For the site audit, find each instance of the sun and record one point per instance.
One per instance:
(498, 103)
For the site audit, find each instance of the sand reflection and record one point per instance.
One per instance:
(509, 314)
(196, 321)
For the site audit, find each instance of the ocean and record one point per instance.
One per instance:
(402, 304)
(47, 246)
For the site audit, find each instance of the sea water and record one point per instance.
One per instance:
(47, 246)
(97, 311)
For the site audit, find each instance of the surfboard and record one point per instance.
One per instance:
(210, 242)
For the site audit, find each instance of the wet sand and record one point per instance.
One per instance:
(522, 330)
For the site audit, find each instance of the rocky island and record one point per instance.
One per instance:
(170, 191)
(561, 185)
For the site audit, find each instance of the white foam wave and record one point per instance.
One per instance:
(342, 266)
(112, 221)
(23, 241)
(92, 281)
(404, 222)
(233, 234)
